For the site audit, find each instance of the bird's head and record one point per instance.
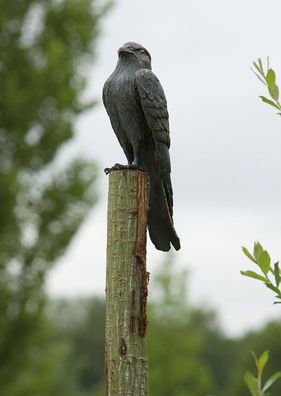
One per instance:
(135, 53)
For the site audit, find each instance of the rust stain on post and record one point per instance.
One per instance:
(123, 347)
(140, 250)
(132, 311)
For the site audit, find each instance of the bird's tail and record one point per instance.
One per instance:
(160, 213)
(160, 223)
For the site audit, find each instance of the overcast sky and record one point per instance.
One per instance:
(225, 149)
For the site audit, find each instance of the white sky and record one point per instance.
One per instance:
(225, 150)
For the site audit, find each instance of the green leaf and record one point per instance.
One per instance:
(274, 92)
(277, 274)
(271, 380)
(270, 78)
(258, 68)
(252, 383)
(259, 77)
(270, 102)
(255, 359)
(267, 62)
(248, 254)
(264, 262)
(271, 82)
(258, 249)
(262, 362)
(260, 64)
(274, 288)
(254, 275)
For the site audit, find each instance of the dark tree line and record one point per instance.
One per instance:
(44, 46)
(188, 352)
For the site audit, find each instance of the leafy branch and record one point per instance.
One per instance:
(253, 383)
(270, 272)
(268, 78)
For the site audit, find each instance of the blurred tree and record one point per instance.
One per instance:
(268, 338)
(219, 353)
(67, 358)
(81, 323)
(176, 339)
(43, 45)
(188, 354)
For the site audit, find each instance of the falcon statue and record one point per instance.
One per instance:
(135, 102)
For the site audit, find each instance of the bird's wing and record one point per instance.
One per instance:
(154, 105)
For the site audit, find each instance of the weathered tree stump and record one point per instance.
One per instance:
(126, 362)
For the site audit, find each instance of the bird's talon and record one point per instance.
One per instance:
(115, 167)
(120, 167)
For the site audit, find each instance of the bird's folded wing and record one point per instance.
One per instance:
(154, 105)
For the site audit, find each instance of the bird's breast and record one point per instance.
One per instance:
(124, 104)
(123, 92)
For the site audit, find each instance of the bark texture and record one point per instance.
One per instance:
(126, 363)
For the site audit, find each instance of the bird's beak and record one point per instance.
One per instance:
(124, 49)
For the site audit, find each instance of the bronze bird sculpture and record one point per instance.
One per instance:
(135, 102)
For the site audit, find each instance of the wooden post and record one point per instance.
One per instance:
(126, 363)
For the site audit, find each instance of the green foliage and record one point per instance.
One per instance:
(267, 338)
(67, 358)
(188, 354)
(270, 272)
(255, 384)
(86, 334)
(268, 78)
(271, 275)
(179, 351)
(80, 324)
(44, 46)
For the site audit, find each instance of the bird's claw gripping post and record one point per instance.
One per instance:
(113, 168)
(120, 167)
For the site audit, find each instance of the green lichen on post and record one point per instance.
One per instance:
(126, 365)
